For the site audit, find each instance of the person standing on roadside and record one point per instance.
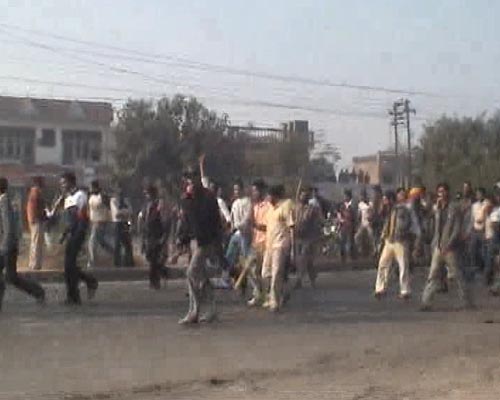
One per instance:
(448, 225)
(37, 217)
(121, 215)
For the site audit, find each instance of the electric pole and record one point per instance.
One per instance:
(407, 111)
(397, 115)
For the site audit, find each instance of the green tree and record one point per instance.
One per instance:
(457, 149)
(160, 140)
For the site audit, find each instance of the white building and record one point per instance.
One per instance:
(45, 137)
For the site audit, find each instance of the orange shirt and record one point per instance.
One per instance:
(35, 206)
(260, 211)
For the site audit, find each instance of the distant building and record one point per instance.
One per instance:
(275, 153)
(45, 137)
(381, 167)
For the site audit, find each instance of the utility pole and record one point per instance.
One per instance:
(407, 111)
(397, 114)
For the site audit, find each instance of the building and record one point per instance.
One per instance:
(46, 137)
(275, 153)
(382, 167)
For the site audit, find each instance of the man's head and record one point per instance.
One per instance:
(95, 187)
(480, 194)
(276, 193)
(347, 195)
(238, 189)
(193, 183)
(258, 190)
(150, 192)
(38, 181)
(443, 192)
(389, 198)
(401, 195)
(305, 195)
(4, 185)
(67, 182)
(467, 190)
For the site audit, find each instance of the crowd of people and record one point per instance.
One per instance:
(262, 239)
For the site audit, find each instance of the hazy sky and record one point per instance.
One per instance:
(448, 49)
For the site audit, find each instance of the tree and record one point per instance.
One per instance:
(455, 150)
(160, 140)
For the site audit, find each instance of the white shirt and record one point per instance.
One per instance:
(477, 216)
(78, 199)
(98, 212)
(491, 223)
(365, 211)
(241, 212)
(124, 214)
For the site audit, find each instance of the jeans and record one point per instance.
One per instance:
(238, 246)
(123, 255)
(490, 251)
(72, 273)
(98, 237)
(477, 250)
(8, 262)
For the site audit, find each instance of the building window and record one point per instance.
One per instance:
(48, 138)
(81, 147)
(17, 144)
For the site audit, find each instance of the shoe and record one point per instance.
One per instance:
(209, 317)
(266, 304)
(379, 295)
(72, 303)
(254, 302)
(404, 296)
(41, 299)
(274, 308)
(91, 291)
(425, 308)
(189, 319)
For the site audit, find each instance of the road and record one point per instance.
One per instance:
(335, 342)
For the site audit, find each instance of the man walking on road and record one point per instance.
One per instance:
(121, 215)
(309, 220)
(77, 223)
(36, 215)
(9, 250)
(445, 251)
(99, 212)
(279, 241)
(396, 235)
(203, 224)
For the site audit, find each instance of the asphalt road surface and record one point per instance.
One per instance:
(335, 342)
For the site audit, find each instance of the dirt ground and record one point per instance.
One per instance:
(335, 342)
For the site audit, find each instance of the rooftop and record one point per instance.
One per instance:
(53, 110)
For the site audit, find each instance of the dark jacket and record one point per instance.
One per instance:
(447, 227)
(202, 218)
(403, 224)
(8, 231)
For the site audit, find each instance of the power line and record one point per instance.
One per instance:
(193, 64)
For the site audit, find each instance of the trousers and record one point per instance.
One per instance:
(395, 251)
(8, 263)
(72, 273)
(455, 274)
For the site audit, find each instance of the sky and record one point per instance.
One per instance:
(338, 64)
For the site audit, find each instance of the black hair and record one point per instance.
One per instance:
(377, 189)
(400, 189)
(37, 180)
(277, 191)
(260, 185)
(481, 190)
(69, 177)
(239, 182)
(443, 185)
(4, 184)
(390, 195)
